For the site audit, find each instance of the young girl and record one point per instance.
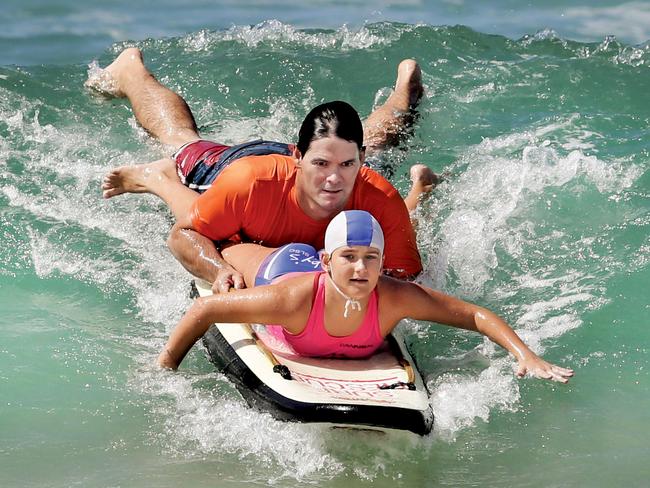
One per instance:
(344, 310)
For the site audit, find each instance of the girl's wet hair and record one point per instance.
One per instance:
(336, 118)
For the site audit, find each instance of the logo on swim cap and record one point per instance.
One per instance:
(353, 228)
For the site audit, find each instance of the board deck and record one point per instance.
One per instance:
(384, 391)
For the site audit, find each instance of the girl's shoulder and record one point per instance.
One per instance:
(393, 290)
(394, 301)
(400, 293)
(295, 286)
(388, 284)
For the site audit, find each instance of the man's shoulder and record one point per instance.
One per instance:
(377, 195)
(245, 174)
(372, 184)
(269, 166)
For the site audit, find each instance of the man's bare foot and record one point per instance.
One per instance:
(107, 81)
(389, 123)
(423, 180)
(101, 82)
(152, 177)
(125, 179)
(408, 86)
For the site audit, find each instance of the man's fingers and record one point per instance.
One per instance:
(221, 284)
(224, 286)
(238, 281)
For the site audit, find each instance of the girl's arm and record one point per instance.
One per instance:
(282, 303)
(420, 303)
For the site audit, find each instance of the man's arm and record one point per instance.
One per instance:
(214, 216)
(402, 259)
(199, 256)
(379, 197)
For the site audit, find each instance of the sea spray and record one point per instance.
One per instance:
(542, 144)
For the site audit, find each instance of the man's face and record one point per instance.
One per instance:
(326, 176)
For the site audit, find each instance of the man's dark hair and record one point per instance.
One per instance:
(336, 118)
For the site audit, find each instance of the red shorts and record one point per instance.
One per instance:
(200, 162)
(193, 154)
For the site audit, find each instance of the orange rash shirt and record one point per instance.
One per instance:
(255, 198)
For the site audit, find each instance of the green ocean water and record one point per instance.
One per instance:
(543, 216)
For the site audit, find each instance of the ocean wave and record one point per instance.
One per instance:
(547, 42)
(495, 240)
(524, 222)
(496, 185)
(200, 422)
(275, 34)
(460, 400)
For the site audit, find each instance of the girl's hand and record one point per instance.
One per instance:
(539, 368)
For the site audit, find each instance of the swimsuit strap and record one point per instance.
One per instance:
(349, 302)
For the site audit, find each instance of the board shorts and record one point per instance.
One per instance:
(199, 162)
(290, 258)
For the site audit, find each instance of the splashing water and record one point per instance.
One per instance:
(542, 217)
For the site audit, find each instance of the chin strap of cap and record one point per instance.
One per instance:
(349, 302)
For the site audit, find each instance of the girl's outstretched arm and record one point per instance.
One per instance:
(280, 303)
(421, 303)
(494, 327)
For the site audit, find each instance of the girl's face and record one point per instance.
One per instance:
(355, 269)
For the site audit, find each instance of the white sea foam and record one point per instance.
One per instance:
(546, 34)
(279, 125)
(69, 197)
(274, 31)
(501, 175)
(48, 258)
(459, 400)
(201, 422)
(483, 92)
(485, 230)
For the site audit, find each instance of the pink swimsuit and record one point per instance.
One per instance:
(314, 340)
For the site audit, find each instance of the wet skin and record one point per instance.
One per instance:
(326, 176)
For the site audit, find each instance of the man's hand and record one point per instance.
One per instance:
(200, 257)
(227, 278)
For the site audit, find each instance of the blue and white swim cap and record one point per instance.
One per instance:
(353, 228)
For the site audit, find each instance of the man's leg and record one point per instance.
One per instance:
(423, 180)
(389, 122)
(158, 177)
(163, 113)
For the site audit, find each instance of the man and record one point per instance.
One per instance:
(166, 116)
